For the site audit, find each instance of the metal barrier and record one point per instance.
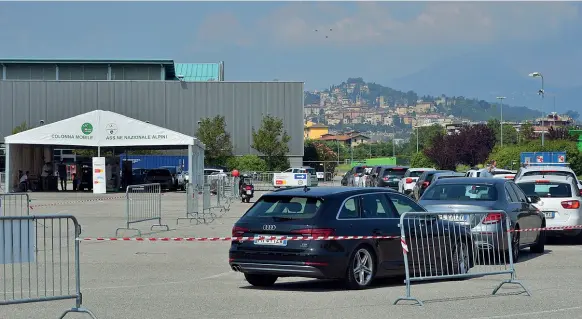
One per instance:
(14, 204)
(143, 203)
(40, 261)
(2, 181)
(445, 245)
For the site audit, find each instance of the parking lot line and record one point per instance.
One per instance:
(161, 283)
(530, 313)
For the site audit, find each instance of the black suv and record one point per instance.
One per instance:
(329, 211)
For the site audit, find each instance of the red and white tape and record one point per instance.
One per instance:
(77, 201)
(290, 238)
(293, 238)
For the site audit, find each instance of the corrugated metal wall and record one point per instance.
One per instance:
(175, 105)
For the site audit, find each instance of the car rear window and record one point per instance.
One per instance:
(546, 189)
(461, 192)
(287, 207)
(549, 173)
(416, 173)
(159, 172)
(394, 172)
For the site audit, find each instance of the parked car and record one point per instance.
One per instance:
(162, 176)
(406, 184)
(354, 175)
(333, 211)
(558, 198)
(503, 173)
(482, 172)
(175, 171)
(451, 174)
(543, 171)
(390, 176)
(424, 182)
(138, 176)
(486, 194)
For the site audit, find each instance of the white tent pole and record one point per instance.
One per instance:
(8, 171)
(190, 164)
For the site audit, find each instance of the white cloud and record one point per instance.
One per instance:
(438, 23)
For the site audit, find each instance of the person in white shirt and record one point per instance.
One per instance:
(46, 171)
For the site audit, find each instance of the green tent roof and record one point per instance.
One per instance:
(196, 72)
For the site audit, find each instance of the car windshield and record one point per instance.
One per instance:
(285, 207)
(159, 172)
(546, 189)
(394, 172)
(461, 192)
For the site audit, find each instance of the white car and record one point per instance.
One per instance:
(547, 170)
(305, 170)
(483, 172)
(406, 184)
(503, 173)
(558, 198)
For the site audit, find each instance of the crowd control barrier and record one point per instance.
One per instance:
(143, 203)
(14, 204)
(445, 245)
(40, 261)
(2, 181)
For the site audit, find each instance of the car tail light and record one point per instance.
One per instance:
(239, 231)
(492, 218)
(315, 232)
(385, 178)
(542, 181)
(571, 204)
(248, 187)
(509, 177)
(408, 180)
(581, 192)
(425, 184)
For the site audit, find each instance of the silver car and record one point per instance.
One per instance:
(489, 194)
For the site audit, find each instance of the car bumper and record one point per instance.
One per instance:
(490, 241)
(573, 220)
(308, 266)
(393, 185)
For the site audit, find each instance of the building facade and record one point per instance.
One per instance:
(49, 91)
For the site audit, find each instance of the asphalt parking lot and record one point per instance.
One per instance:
(193, 279)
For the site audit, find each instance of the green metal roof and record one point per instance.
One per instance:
(196, 72)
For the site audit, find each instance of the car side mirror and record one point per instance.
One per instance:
(534, 199)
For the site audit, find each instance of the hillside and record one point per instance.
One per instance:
(369, 93)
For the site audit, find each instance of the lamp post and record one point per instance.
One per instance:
(500, 98)
(417, 133)
(541, 92)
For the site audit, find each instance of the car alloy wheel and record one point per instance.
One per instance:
(515, 246)
(361, 270)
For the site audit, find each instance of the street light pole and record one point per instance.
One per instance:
(542, 93)
(500, 98)
(417, 133)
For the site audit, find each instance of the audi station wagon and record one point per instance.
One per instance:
(335, 211)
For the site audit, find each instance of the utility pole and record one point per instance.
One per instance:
(501, 98)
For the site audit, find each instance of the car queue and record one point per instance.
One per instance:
(371, 204)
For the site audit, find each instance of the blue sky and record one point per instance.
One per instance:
(264, 41)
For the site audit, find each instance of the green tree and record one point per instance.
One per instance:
(526, 133)
(425, 136)
(272, 141)
(247, 163)
(212, 132)
(21, 128)
(421, 160)
(510, 135)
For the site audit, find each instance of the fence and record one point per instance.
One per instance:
(143, 203)
(217, 194)
(14, 205)
(443, 245)
(2, 181)
(40, 261)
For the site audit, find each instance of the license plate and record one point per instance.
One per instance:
(549, 214)
(249, 192)
(456, 218)
(269, 241)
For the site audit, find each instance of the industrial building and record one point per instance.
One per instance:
(167, 94)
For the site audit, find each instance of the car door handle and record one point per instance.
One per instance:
(376, 232)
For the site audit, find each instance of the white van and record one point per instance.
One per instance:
(309, 170)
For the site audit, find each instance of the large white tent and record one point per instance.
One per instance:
(100, 129)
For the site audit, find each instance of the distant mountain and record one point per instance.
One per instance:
(459, 106)
(483, 76)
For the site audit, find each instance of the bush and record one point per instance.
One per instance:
(509, 155)
(247, 163)
(421, 160)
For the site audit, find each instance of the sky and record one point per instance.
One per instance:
(263, 41)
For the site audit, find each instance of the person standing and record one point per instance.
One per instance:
(46, 171)
(63, 175)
